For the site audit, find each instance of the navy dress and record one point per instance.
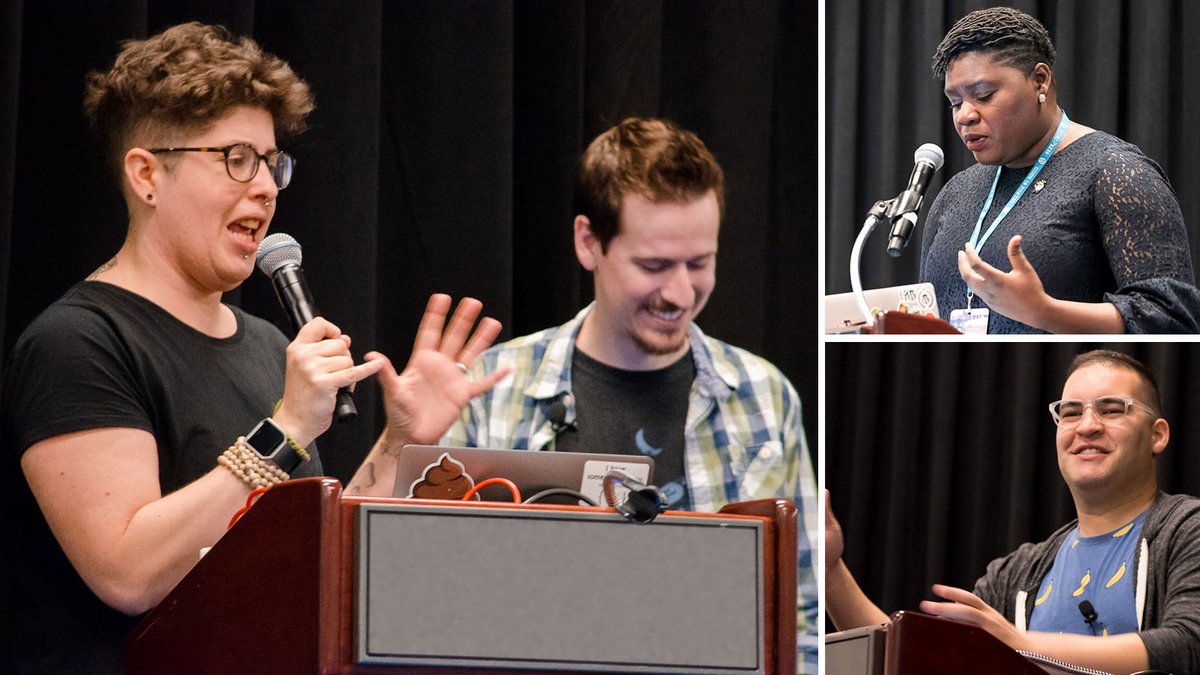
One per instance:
(1101, 224)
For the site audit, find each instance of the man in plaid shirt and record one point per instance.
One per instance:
(632, 373)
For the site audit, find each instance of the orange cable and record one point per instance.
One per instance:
(250, 500)
(516, 492)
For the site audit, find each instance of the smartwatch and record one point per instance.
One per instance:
(272, 444)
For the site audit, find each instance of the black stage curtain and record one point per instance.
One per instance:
(442, 156)
(940, 457)
(1124, 67)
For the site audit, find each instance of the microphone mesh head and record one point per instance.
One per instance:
(276, 251)
(931, 153)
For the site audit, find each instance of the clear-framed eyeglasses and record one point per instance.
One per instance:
(1069, 412)
(242, 160)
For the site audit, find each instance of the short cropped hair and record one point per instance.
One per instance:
(1115, 359)
(182, 81)
(1011, 36)
(649, 157)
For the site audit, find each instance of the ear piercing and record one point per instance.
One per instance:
(1041, 98)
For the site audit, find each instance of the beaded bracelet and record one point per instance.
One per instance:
(253, 470)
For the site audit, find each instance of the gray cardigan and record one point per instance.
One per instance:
(1168, 569)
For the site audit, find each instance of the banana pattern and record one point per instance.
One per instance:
(1116, 577)
(1093, 569)
(1087, 579)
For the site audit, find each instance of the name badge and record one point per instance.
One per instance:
(970, 321)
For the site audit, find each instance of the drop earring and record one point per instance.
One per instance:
(1041, 98)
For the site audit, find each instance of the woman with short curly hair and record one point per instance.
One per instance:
(1095, 237)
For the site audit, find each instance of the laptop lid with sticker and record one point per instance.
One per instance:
(436, 472)
(842, 312)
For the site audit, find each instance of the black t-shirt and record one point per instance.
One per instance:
(633, 412)
(103, 357)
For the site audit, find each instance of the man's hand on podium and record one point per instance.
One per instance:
(967, 607)
(1124, 653)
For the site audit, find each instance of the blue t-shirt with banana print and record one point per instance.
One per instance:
(1089, 590)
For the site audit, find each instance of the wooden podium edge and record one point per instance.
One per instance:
(293, 562)
(781, 598)
(297, 637)
(916, 640)
(902, 323)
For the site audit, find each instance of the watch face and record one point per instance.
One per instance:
(266, 439)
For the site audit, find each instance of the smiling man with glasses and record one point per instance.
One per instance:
(1118, 588)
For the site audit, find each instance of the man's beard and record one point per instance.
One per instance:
(659, 348)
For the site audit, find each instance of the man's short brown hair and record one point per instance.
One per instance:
(182, 81)
(1115, 359)
(652, 158)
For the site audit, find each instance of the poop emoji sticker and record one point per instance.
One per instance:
(445, 479)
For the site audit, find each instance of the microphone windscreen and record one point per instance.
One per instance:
(1087, 610)
(930, 152)
(276, 251)
(557, 414)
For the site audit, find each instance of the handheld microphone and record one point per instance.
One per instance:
(903, 211)
(279, 258)
(557, 414)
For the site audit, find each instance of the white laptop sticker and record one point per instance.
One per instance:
(592, 483)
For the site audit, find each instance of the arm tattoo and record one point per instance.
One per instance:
(368, 479)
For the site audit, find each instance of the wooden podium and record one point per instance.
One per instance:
(281, 591)
(900, 323)
(920, 644)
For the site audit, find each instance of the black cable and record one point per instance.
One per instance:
(561, 491)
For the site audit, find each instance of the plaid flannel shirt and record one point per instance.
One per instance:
(743, 439)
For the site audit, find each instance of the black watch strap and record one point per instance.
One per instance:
(271, 443)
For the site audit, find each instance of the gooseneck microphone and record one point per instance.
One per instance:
(643, 502)
(279, 257)
(903, 210)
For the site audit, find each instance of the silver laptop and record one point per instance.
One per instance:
(435, 472)
(842, 313)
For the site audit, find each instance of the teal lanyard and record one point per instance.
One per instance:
(977, 242)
